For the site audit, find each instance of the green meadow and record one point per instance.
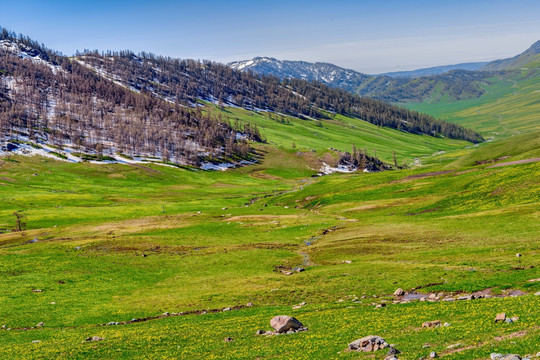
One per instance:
(510, 105)
(111, 243)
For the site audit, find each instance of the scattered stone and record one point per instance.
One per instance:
(77, 248)
(227, 309)
(166, 313)
(40, 324)
(518, 255)
(300, 269)
(537, 293)
(508, 320)
(454, 346)
(449, 299)
(36, 341)
(495, 356)
(93, 338)
(399, 292)
(431, 324)
(368, 344)
(284, 323)
(511, 357)
(37, 290)
(260, 332)
(249, 304)
(432, 296)
(347, 261)
(446, 324)
(228, 339)
(391, 357)
(500, 317)
(432, 355)
(393, 351)
(380, 306)
(534, 280)
(426, 346)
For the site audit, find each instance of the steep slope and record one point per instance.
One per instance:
(187, 81)
(48, 100)
(436, 70)
(529, 55)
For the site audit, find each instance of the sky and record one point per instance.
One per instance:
(367, 36)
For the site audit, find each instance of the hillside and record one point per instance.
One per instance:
(436, 70)
(509, 105)
(123, 107)
(530, 55)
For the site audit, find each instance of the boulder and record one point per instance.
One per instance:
(430, 324)
(284, 323)
(368, 343)
(399, 292)
(500, 317)
(93, 338)
(511, 357)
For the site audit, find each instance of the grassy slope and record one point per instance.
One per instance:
(509, 107)
(340, 133)
(462, 229)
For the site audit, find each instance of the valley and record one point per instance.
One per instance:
(158, 208)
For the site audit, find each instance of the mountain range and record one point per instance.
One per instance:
(457, 82)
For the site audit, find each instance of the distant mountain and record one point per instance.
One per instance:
(329, 74)
(529, 55)
(436, 70)
(454, 84)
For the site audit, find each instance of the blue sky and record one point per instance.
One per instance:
(368, 36)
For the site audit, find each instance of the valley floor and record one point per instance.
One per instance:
(179, 260)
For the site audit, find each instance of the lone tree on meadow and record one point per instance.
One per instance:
(19, 224)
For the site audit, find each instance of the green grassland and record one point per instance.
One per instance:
(339, 132)
(116, 242)
(510, 105)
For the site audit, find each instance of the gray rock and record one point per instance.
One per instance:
(500, 317)
(36, 341)
(227, 309)
(284, 323)
(518, 255)
(495, 356)
(393, 351)
(368, 343)
(93, 338)
(40, 324)
(511, 357)
(228, 339)
(399, 292)
(432, 355)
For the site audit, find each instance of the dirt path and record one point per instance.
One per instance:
(524, 161)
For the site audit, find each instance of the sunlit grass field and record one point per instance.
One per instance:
(114, 242)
